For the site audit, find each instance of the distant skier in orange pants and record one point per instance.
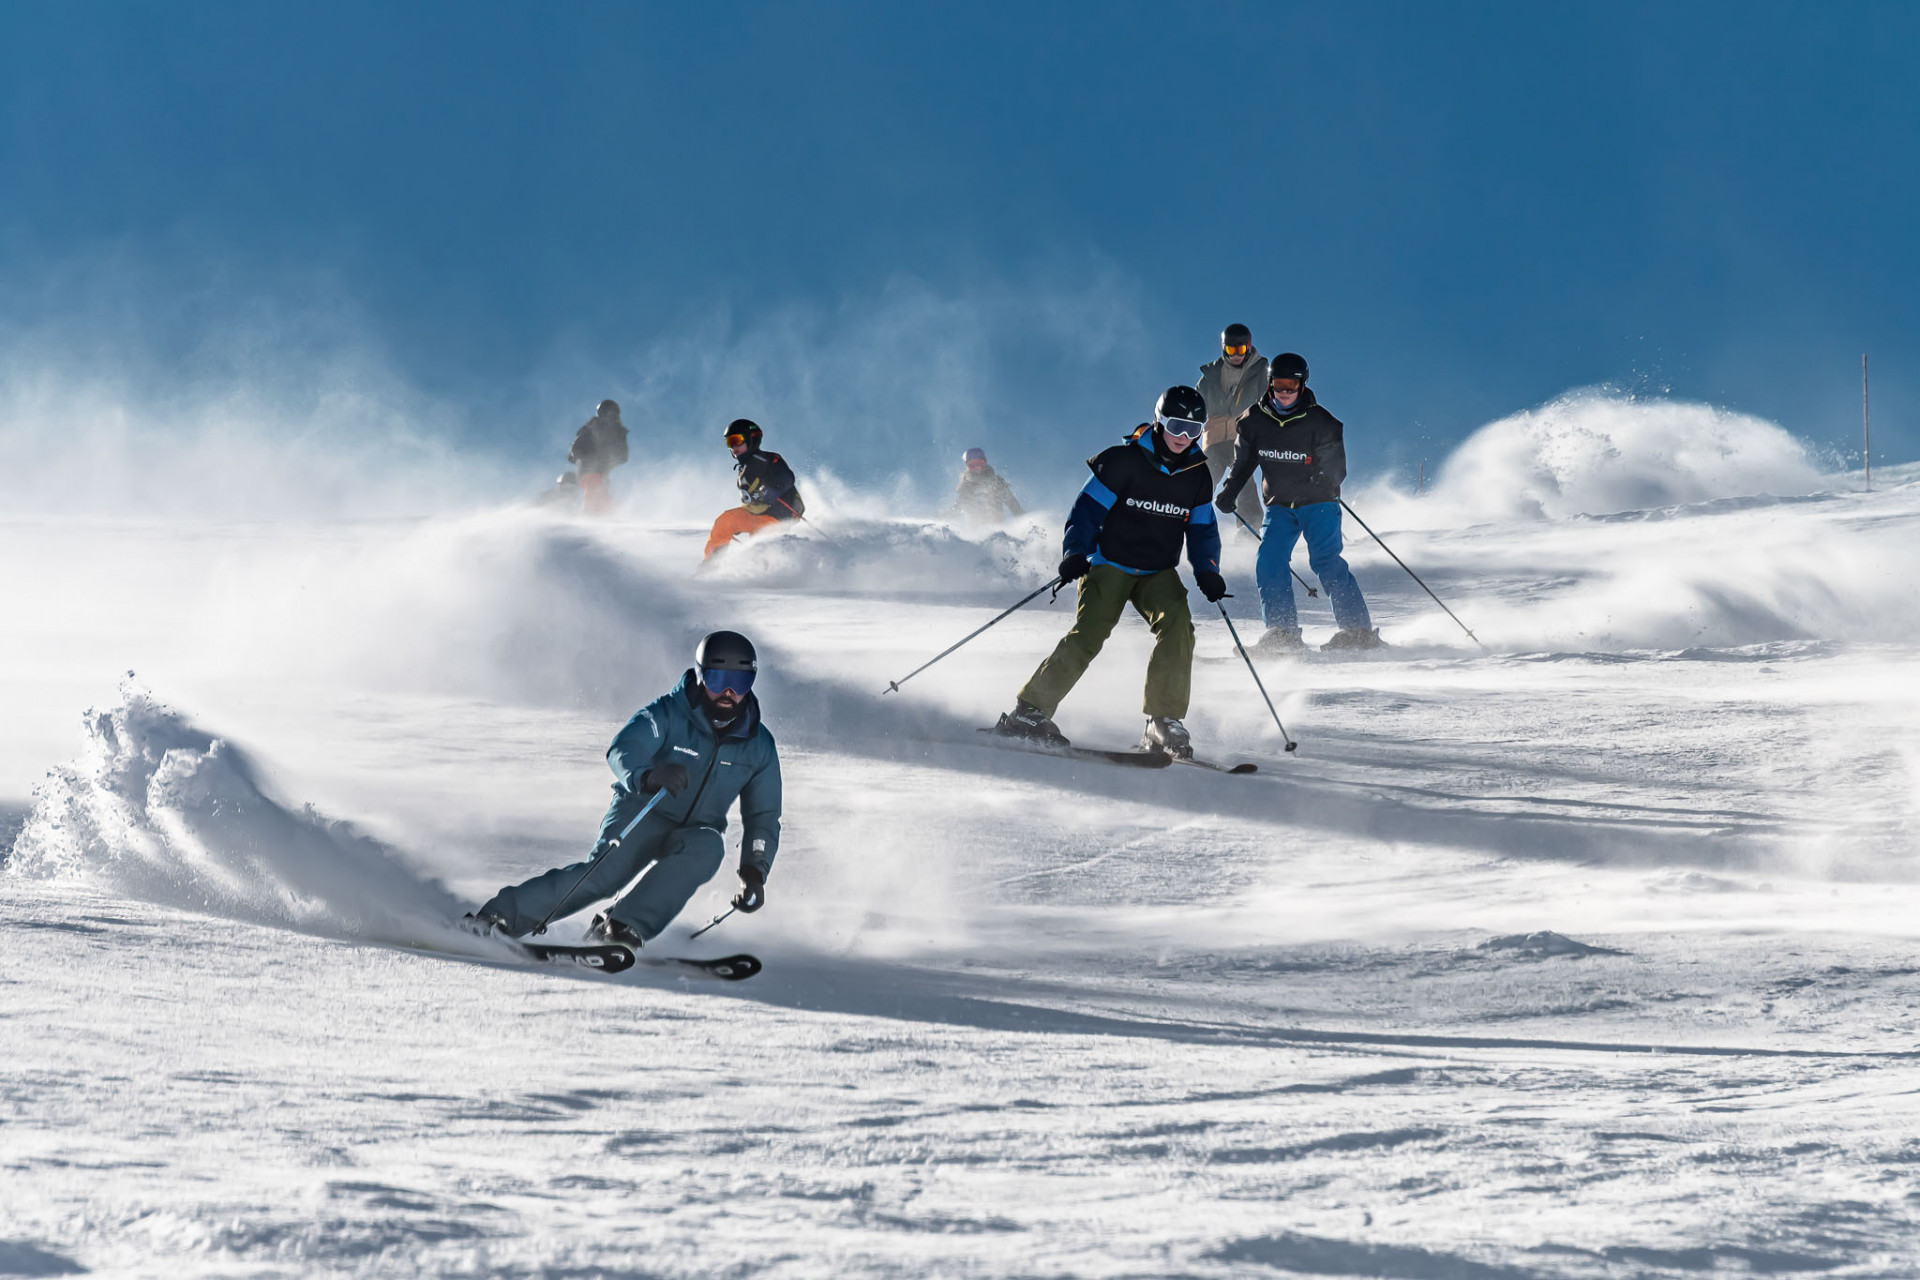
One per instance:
(598, 447)
(767, 492)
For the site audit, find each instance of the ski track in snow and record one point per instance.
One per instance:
(1592, 955)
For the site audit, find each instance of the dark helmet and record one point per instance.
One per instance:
(1288, 365)
(566, 478)
(1180, 402)
(725, 651)
(745, 427)
(607, 409)
(1236, 335)
(973, 455)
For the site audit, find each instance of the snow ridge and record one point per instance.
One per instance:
(159, 810)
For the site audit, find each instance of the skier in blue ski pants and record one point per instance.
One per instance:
(1300, 451)
(702, 744)
(1320, 523)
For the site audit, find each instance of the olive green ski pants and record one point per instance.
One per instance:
(1160, 598)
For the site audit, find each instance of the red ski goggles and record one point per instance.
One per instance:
(738, 438)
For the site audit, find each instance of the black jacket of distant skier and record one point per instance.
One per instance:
(599, 446)
(767, 485)
(1143, 502)
(1301, 453)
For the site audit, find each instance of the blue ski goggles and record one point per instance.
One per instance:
(1185, 428)
(735, 682)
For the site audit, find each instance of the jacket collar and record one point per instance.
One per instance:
(1173, 464)
(744, 725)
(1284, 416)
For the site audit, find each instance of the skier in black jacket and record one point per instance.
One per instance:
(598, 447)
(1301, 453)
(1147, 498)
(767, 491)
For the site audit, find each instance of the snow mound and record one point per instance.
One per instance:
(158, 809)
(1590, 453)
(1543, 944)
(900, 558)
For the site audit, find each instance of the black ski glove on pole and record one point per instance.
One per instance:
(1211, 584)
(753, 891)
(1074, 566)
(1226, 501)
(670, 777)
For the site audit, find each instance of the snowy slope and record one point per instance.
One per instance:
(1586, 955)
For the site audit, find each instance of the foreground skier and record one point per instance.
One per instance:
(1147, 497)
(704, 744)
(1301, 453)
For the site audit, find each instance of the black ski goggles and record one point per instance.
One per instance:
(734, 682)
(1184, 428)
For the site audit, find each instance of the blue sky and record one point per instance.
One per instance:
(889, 231)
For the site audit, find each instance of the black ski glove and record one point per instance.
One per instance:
(1227, 501)
(753, 891)
(1074, 566)
(1211, 584)
(670, 777)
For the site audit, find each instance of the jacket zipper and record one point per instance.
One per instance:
(687, 815)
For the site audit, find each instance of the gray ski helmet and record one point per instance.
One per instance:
(606, 409)
(566, 479)
(1288, 365)
(725, 651)
(1180, 402)
(1236, 335)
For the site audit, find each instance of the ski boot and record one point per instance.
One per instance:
(606, 929)
(1280, 640)
(1355, 638)
(1029, 721)
(483, 924)
(1168, 736)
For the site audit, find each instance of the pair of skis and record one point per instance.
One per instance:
(614, 958)
(1139, 759)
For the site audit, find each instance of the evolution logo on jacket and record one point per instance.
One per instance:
(1301, 453)
(1142, 503)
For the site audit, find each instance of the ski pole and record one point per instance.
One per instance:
(1410, 573)
(709, 924)
(893, 686)
(591, 862)
(803, 520)
(1290, 569)
(1291, 744)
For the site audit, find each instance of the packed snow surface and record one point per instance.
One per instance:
(1585, 953)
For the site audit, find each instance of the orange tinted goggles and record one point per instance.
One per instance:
(736, 439)
(1287, 385)
(1240, 350)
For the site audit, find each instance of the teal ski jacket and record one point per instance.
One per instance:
(739, 762)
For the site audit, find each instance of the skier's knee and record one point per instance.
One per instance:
(701, 848)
